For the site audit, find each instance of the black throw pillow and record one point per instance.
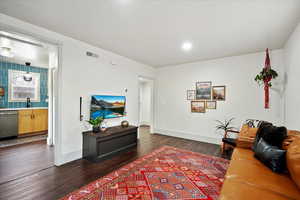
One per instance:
(271, 156)
(274, 135)
(262, 126)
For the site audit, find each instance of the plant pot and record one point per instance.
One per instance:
(103, 126)
(124, 124)
(96, 129)
(103, 129)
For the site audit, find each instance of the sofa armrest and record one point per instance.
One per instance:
(233, 131)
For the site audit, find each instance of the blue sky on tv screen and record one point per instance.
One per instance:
(110, 99)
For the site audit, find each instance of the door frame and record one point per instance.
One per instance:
(151, 82)
(56, 112)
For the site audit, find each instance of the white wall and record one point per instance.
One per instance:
(145, 103)
(84, 76)
(292, 63)
(244, 98)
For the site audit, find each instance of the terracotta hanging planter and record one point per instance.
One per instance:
(265, 77)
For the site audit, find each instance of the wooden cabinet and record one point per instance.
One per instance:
(25, 122)
(33, 120)
(40, 120)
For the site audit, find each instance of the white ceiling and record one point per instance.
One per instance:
(29, 51)
(152, 31)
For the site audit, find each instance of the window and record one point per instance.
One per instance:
(21, 89)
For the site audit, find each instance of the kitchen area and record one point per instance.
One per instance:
(24, 91)
(27, 67)
(23, 97)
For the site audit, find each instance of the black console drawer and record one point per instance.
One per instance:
(110, 145)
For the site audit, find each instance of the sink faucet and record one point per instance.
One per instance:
(28, 103)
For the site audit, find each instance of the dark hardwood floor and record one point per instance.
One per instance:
(55, 182)
(24, 159)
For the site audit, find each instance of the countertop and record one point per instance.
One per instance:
(31, 108)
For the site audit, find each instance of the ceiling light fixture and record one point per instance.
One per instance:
(187, 46)
(27, 77)
(6, 52)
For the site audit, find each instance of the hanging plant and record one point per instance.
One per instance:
(265, 76)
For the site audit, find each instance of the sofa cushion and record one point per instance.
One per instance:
(271, 156)
(246, 136)
(244, 168)
(273, 135)
(291, 135)
(236, 190)
(293, 160)
(260, 131)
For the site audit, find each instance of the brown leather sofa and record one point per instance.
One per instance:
(248, 179)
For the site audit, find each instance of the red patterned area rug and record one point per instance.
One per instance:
(166, 173)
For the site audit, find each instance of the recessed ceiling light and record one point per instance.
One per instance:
(187, 46)
(6, 52)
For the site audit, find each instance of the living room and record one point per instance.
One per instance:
(182, 48)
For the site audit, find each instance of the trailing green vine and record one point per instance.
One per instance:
(267, 74)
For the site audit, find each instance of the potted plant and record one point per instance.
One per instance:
(226, 126)
(96, 123)
(265, 76)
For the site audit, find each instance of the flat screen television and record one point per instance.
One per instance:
(107, 106)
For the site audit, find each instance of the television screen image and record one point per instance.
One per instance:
(107, 106)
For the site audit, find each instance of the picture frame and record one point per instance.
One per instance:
(219, 93)
(191, 94)
(211, 105)
(204, 90)
(198, 107)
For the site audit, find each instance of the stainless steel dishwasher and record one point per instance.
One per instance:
(8, 123)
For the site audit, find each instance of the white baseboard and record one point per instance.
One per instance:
(68, 157)
(186, 135)
(145, 123)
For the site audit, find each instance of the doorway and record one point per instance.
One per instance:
(146, 102)
(28, 69)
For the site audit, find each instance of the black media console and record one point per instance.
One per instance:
(103, 145)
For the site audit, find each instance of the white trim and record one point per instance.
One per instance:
(186, 135)
(71, 156)
(28, 34)
(144, 123)
(152, 114)
(57, 109)
(58, 156)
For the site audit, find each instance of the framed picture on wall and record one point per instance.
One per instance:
(203, 90)
(211, 105)
(219, 93)
(191, 94)
(198, 106)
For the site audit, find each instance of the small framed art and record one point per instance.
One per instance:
(191, 94)
(198, 106)
(211, 105)
(219, 93)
